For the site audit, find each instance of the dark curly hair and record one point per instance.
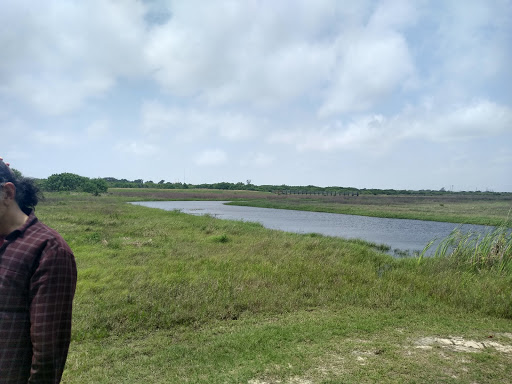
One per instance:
(27, 193)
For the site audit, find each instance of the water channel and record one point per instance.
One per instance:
(399, 234)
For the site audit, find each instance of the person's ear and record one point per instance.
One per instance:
(8, 191)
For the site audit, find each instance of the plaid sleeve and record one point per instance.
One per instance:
(52, 288)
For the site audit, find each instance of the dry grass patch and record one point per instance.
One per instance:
(459, 344)
(292, 380)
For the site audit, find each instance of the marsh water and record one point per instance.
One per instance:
(399, 234)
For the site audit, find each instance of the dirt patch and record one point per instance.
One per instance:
(361, 355)
(461, 345)
(292, 380)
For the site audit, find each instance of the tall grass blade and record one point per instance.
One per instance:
(492, 250)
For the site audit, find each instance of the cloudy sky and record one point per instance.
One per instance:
(368, 94)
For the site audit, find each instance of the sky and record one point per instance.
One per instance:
(366, 94)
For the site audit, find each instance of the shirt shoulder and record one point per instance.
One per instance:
(23, 252)
(40, 233)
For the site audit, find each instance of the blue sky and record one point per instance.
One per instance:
(368, 94)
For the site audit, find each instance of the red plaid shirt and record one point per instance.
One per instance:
(37, 285)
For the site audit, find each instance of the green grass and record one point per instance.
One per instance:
(165, 297)
(488, 210)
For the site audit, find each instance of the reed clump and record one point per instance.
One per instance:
(492, 250)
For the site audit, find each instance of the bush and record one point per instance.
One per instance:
(95, 186)
(72, 182)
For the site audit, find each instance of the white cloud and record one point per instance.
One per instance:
(462, 122)
(371, 65)
(190, 123)
(503, 157)
(276, 78)
(54, 95)
(16, 154)
(226, 52)
(244, 54)
(186, 53)
(212, 158)
(377, 132)
(469, 47)
(98, 128)
(157, 118)
(137, 148)
(395, 14)
(52, 138)
(365, 133)
(57, 66)
(12, 126)
(14, 132)
(258, 160)
(235, 127)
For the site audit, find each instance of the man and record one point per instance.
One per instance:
(37, 286)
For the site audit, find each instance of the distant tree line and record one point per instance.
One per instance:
(97, 186)
(279, 189)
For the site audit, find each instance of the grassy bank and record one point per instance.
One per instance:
(455, 209)
(164, 297)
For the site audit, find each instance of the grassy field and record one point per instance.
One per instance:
(165, 297)
(485, 210)
(477, 208)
